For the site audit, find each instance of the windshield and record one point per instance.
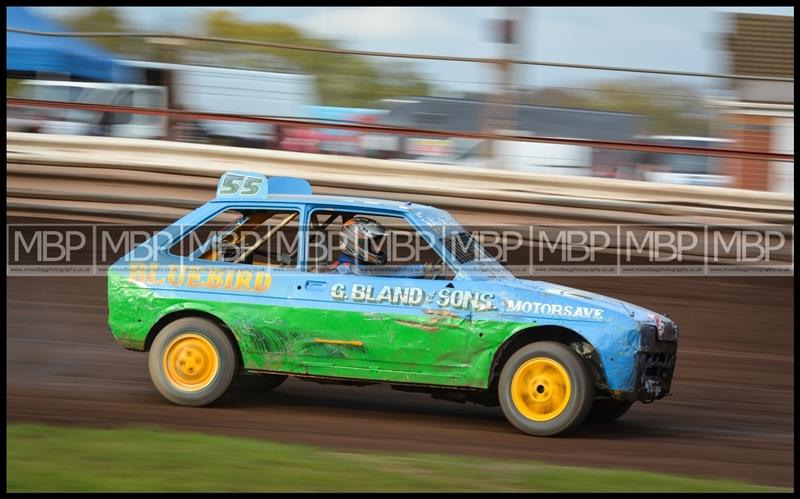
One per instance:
(466, 251)
(471, 256)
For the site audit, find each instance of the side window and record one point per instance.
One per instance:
(407, 254)
(192, 241)
(248, 237)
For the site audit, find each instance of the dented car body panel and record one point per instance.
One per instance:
(441, 332)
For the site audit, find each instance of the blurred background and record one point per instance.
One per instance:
(677, 118)
(541, 72)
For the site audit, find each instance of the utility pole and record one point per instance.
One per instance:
(168, 50)
(500, 115)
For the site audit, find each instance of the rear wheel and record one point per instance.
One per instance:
(192, 362)
(545, 389)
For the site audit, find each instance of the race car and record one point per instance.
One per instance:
(270, 280)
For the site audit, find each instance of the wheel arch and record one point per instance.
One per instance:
(183, 313)
(557, 334)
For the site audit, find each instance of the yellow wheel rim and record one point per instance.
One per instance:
(190, 362)
(540, 389)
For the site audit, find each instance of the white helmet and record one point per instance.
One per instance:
(364, 239)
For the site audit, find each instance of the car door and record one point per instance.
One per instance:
(383, 327)
(251, 294)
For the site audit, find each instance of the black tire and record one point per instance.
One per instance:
(608, 409)
(579, 401)
(219, 379)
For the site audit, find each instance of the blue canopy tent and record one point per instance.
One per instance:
(27, 54)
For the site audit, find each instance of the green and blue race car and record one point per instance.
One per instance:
(254, 283)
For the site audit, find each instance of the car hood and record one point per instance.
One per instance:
(545, 291)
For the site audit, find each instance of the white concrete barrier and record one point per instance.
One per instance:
(86, 158)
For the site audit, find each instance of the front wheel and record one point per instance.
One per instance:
(192, 362)
(545, 389)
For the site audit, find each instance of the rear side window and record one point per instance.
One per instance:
(247, 237)
(195, 239)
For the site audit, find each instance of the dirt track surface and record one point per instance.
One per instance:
(731, 414)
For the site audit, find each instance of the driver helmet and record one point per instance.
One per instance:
(364, 239)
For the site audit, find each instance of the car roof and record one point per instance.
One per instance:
(348, 201)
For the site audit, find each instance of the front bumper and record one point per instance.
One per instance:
(654, 365)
